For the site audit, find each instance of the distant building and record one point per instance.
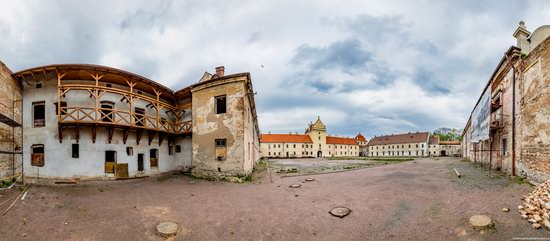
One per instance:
(509, 127)
(436, 147)
(360, 139)
(408, 144)
(314, 143)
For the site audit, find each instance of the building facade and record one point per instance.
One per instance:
(517, 134)
(90, 121)
(408, 144)
(313, 143)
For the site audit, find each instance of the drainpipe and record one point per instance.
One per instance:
(513, 113)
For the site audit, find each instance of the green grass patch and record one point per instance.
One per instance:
(519, 180)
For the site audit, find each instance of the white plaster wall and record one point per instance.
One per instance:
(58, 159)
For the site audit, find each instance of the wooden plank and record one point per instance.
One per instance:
(121, 170)
(109, 167)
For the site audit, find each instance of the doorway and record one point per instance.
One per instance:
(140, 162)
(153, 157)
(319, 154)
(110, 161)
(443, 153)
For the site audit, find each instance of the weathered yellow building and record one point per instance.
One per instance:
(314, 143)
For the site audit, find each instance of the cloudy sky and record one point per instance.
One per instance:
(375, 67)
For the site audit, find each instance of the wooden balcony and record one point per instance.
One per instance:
(106, 117)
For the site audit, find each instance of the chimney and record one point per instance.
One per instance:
(521, 34)
(220, 71)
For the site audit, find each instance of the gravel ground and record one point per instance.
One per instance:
(319, 165)
(421, 200)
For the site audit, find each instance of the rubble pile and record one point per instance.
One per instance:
(535, 207)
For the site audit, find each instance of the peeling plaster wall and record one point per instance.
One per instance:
(58, 161)
(9, 92)
(534, 124)
(208, 126)
(532, 118)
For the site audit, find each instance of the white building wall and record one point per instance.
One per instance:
(58, 161)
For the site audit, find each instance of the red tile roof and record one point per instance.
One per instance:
(340, 140)
(434, 140)
(360, 138)
(400, 139)
(285, 138)
(449, 143)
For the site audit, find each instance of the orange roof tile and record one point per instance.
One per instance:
(285, 138)
(400, 139)
(340, 140)
(360, 138)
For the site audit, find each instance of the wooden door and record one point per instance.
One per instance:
(140, 162)
(110, 161)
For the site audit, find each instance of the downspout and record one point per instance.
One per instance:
(513, 113)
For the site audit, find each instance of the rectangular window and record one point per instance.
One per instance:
(221, 105)
(178, 148)
(39, 114)
(129, 151)
(139, 116)
(39, 85)
(37, 155)
(221, 149)
(107, 111)
(75, 150)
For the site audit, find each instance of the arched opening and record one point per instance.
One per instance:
(319, 154)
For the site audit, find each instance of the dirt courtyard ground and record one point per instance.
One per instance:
(414, 200)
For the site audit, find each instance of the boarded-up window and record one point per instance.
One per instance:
(221, 149)
(37, 155)
(39, 114)
(221, 104)
(75, 150)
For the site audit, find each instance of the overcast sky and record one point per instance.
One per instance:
(375, 67)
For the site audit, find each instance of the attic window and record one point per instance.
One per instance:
(108, 85)
(39, 85)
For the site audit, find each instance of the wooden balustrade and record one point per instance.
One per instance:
(78, 115)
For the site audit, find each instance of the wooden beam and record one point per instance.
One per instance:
(139, 133)
(151, 136)
(94, 132)
(111, 131)
(161, 138)
(125, 135)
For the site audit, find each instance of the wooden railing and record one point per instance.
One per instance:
(121, 118)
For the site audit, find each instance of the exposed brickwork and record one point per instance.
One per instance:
(9, 91)
(535, 112)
